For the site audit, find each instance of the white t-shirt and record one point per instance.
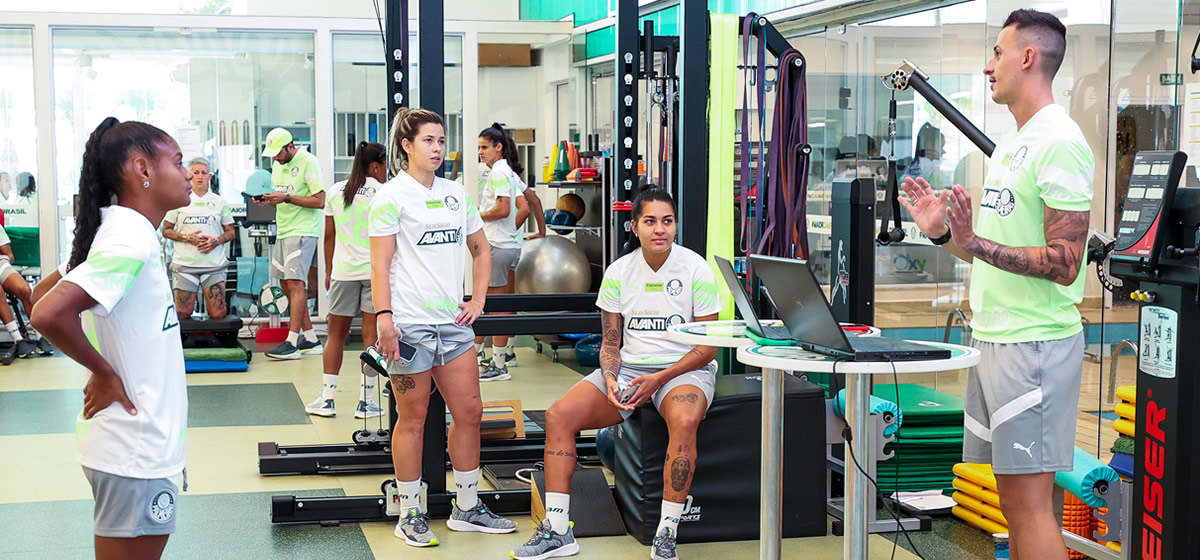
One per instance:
(683, 288)
(502, 181)
(352, 249)
(431, 226)
(137, 331)
(205, 215)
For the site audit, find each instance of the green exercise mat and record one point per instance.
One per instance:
(926, 442)
(923, 406)
(1124, 444)
(214, 354)
(921, 432)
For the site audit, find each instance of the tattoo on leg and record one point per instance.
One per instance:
(688, 397)
(559, 453)
(403, 383)
(681, 469)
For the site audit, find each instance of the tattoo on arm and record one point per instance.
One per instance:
(610, 349)
(1059, 261)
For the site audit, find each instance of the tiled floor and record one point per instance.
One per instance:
(45, 503)
(46, 506)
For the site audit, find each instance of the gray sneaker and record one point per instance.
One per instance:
(285, 351)
(310, 347)
(25, 349)
(663, 547)
(479, 519)
(321, 406)
(414, 529)
(494, 373)
(484, 361)
(545, 543)
(43, 347)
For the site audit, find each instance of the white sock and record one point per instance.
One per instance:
(328, 385)
(410, 495)
(671, 512)
(479, 348)
(558, 507)
(33, 334)
(310, 335)
(14, 330)
(293, 337)
(366, 388)
(497, 351)
(467, 485)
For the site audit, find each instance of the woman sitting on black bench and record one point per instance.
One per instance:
(11, 283)
(654, 285)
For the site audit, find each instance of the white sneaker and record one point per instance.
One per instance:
(368, 410)
(321, 406)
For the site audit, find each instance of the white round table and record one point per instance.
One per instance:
(732, 334)
(774, 360)
(726, 334)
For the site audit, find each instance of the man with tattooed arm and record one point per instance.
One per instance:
(1026, 250)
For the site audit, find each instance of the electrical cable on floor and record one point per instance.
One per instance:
(848, 435)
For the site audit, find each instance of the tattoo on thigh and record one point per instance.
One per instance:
(688, 397)
(681, 469)
(559, 453)
(402, 383)
(215, 297)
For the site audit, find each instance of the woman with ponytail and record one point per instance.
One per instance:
(421, 227)
(655, 284)
(504, 215)
(348, 275)
(133, 426)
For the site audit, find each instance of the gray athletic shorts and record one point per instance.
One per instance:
(436, 345)
(704, 379)
(6, 270)
(1021, 405)
(348, 298)
(193, 278)
(132, 507)
(292, 258)
(503, 260)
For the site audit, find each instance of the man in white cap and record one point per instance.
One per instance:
(298, 199)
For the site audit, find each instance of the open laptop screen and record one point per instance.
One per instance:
(739, 295)
(798, 298)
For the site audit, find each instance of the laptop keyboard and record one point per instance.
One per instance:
(776, 332)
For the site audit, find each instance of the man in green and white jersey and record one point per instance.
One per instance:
(1026, 250)
(298, 199)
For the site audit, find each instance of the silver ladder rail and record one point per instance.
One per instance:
(1112, 371)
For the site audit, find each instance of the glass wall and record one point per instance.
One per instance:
(1120, 81)
(18, 140)
(217, 93)
(360, 85)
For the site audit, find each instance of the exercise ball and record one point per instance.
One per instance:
(606, 446)
(553, 265)
(562, 218)
(587, 350)
(572, 203)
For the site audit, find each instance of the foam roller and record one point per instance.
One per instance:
(878, 406)
(1087, 474)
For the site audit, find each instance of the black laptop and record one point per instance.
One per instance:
(796, 295)
(772, 332)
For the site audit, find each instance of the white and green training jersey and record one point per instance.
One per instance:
(299, 177)
(204, 215)
(430, 226)
(502, 181)
(352, 249)
(137, 332)
(1046, 163)
(682, 289)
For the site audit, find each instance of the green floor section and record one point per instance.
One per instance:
(266, 404)
(211, 526)
(39, 412)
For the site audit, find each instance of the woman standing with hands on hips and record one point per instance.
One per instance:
(132, 431)
(419, 224)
